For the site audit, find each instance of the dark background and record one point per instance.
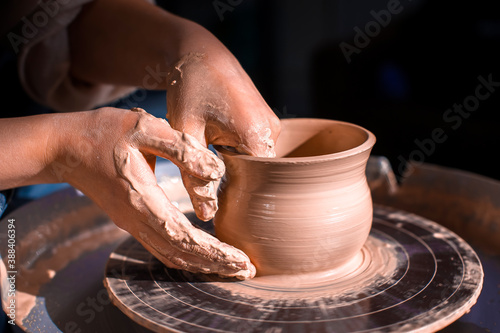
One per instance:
(399, 86)
(426, 59)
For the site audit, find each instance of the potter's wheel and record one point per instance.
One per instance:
(412, 274)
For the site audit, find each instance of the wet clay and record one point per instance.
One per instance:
(234, 115)
(165, 231)
(410, 275)
(373, 265)
(307, 210)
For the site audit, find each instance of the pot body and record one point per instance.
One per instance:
(308, 210)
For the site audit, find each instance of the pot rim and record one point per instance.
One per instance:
(366, 145)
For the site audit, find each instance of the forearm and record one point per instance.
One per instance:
(28, 148)
(132, 42)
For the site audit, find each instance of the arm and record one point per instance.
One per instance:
(116, 41)
(108, 154)
(28, 145)
(209, 95)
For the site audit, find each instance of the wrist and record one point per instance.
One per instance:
(61, 159)
(30, 145)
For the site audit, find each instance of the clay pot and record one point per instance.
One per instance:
(309, 209)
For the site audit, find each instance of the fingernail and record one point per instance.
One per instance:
(206, 191)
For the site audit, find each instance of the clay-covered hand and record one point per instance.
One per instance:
(210, 96)
(112, 158)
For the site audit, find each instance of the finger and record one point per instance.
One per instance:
(155, 136)
(259, 139)
(203, 195)
(257, 143)
(178, 244)
(174, 258)
(168, 231)
(252, 133)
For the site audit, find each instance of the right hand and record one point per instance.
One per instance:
(212, 98)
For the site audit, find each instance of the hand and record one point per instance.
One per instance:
(209, 95)
(212, 98)
(113, 152)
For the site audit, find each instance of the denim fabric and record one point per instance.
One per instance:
(3, 203)
(5, 197)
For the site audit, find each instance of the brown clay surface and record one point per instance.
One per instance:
(309, 209)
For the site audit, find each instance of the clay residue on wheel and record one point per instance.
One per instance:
(372, 267)
(38, 263)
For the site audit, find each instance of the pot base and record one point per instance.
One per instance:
(412, 274)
